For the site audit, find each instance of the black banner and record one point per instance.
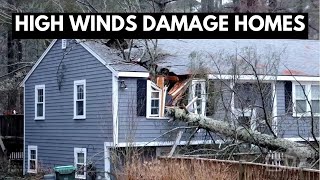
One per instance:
(160, 26)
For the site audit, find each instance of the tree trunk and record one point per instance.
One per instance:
(301, 151)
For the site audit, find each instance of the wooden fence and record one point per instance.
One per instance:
(244, 170)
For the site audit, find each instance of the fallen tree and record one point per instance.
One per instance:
(304, 152)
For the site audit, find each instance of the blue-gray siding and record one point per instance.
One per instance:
(133, 128)
(289, 126)
(59, 133)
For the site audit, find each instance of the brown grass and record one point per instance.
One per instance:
(208, 169)
(179, 170)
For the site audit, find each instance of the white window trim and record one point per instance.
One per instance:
(84, 151)
(31, 147)
(36, 88)
(151, 85)
(192, 95)
(76, 83)
(308, 92)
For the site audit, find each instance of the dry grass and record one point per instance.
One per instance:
(179, 170)
(206, 169)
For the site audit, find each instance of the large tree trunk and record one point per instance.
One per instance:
(301, 151)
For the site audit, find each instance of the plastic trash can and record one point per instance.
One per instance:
(65, 172)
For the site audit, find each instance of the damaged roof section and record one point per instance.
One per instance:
(113, 57)
(215, 56)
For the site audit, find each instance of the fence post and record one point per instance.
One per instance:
(241, 171)
(301, 176)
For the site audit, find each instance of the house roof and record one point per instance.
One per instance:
(105, 55)
(294, 57)
(113, 58)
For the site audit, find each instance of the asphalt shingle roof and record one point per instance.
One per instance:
(113, 58)
(299, 57)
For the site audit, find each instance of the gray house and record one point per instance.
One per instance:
(81, 99)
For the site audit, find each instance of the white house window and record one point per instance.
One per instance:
(32, 159)
(198, 90)
(80, 162)
(79, 99)
(39, 102)
(315, 98)
(153, 99)
(302, 93)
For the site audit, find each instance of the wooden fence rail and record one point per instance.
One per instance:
(245, 170)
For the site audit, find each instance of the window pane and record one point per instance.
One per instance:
(315, 106)
(299, 92)
(154, 110)
(155, 103)
(155, 106)
(198, 90)
(80, 157)
(32, 164)
(80, 92)
(40, 95)
(79, 107)
(80, 169)
(155, 94)
(315, 92)
(301, 106)
(40, 110)
(199, 106)
(33, 154)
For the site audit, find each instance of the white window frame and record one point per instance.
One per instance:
(36, 88)
(84, 151)
(77, 83)
(35, 148)
(308, 93)
(192, 95)
(151, 85)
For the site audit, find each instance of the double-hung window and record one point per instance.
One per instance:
(153, 99)
(32, 159)
(198, 90)
(79, 97)
(39, 102)
(80, 162)
(303, 94)
(315, 99)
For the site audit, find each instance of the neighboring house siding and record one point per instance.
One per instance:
(59, 133)
(289, 126)
(133, 128)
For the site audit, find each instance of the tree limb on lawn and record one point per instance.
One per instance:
(299, 150)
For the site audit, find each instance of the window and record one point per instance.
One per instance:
(32, 159)
(198, 90)
(39, 102)
(315, 98)
(79, 111)
(153, 100)
(80, 158)
(302, 93)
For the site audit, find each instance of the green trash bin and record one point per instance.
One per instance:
(65, 172)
